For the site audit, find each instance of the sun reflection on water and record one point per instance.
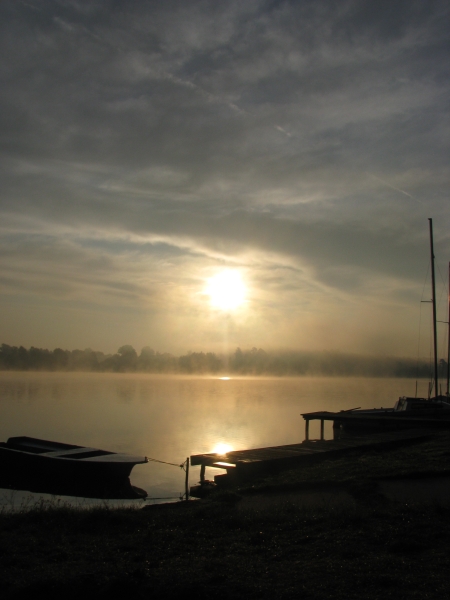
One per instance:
(222, 448)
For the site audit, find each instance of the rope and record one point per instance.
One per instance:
(164, 462)
(184, 466)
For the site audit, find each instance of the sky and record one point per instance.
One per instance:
(148, 146)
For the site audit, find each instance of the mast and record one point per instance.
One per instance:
(433, 300)
(448, 334)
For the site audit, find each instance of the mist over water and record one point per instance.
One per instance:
(171, 417)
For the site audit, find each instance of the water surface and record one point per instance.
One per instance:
(170, 418)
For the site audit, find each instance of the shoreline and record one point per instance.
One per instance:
(259, 541)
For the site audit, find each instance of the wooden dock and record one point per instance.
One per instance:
(386, 420)
(240, 464)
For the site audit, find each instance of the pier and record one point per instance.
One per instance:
(381, 420)
(242, 464)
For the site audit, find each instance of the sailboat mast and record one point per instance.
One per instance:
(433, 290)
(448, 334)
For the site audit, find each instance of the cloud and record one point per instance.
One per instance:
(144, 145)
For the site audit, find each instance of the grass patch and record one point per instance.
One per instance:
(214, 547)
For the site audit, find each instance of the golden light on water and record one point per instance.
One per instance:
(222, 448)
(226, 290)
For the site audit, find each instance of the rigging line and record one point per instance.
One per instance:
(422, 300)
(418, 343)
(439, 302)
(440, 273)
(425, 280)
(443, 290)
(430, 366)
(420, 318)
(444, 336)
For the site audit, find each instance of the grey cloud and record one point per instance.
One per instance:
(316, 132)
(394, 246)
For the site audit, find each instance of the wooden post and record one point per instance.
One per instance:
(306, 430)
(336, 430)
(321, 429)
(186, 484)
(202, 472)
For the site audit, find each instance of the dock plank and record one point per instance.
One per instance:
(278, 456)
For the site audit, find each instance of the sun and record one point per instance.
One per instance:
(226, 290)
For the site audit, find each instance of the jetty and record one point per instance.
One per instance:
(241, 465)
(378, 419)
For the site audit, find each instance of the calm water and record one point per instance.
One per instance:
(170, 418)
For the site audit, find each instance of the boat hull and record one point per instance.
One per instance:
(36, 471)
(408, 413)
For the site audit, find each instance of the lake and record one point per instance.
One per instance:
(171, 417)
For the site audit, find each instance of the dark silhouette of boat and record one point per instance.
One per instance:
(42, 466)
(407, 413)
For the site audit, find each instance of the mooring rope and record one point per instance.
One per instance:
(164, 462)
(185, 467)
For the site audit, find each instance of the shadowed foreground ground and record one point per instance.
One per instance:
(259, 542)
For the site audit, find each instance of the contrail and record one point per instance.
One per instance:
(283, 130)
(395, 188)
(30, 5)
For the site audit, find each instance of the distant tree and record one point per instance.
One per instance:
(237, 361)
(41, 359)
(199, 362)
(8, 356)
(146, 360)
(127, 358)
(23, 359)
(60, 358)
(83, 360)
(253, 361)
(165, 363)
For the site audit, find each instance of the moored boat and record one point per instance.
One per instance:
(412, 410)
(408, 412)
(44, 466)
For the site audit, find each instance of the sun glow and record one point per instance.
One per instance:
(226, 290)
(222, 448)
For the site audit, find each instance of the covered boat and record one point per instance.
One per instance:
(43, 466)
(407, 413)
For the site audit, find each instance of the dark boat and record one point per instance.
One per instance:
(65, 469)
(407, 413)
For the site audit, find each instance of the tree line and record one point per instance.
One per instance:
(240, 362)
